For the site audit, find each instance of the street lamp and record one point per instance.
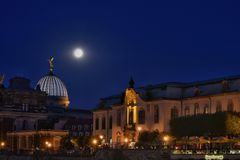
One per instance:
(94, 141)
(166, 139)
(139, 129)
(101, 137)
(2, 144)
(48, 144)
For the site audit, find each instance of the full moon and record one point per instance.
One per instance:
(78, 53)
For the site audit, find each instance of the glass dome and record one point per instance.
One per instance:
(53, 86)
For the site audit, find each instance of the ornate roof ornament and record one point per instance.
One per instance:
(51, 65)
(131, 97)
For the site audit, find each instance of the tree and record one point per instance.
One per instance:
(83, 141)
(148, 139)
(66, 143)
(218, 124)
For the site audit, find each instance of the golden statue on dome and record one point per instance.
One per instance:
(50, 61)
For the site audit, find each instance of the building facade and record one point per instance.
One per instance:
(43, 110)
(122, 117)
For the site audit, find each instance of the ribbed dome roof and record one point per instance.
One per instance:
(53, 86)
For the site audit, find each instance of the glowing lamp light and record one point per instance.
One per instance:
(166, 138)
(101, 136)
(139, 129)
(94, 141)
(126, 140)
(2, 144)
(49, 145)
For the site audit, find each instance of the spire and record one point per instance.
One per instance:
(131, 83)
(51, 65)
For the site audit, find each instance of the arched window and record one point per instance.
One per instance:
(97, 124)
(206, 109)
(110, 122)
(118, 138)
(187, 111)
(103, 123)
(119, 117)
(156, 114)
(141, 116)
(230, 106)
(174, 112)
(196, 109)
(219, 106)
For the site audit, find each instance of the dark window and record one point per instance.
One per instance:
(196, 108)
(103, 123)
(206, 109)
(230, 106)
(119, 117)
(110, 122)
(174, 112)
(156, 114)
(25, 125)
(187, 111)
(130, 116)
(141, 116)
(79, 127)
(97, 124)
(219, 107)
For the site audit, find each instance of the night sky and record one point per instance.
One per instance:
(153, 41)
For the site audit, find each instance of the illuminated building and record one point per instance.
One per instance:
(152, 107)
(26, 112)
